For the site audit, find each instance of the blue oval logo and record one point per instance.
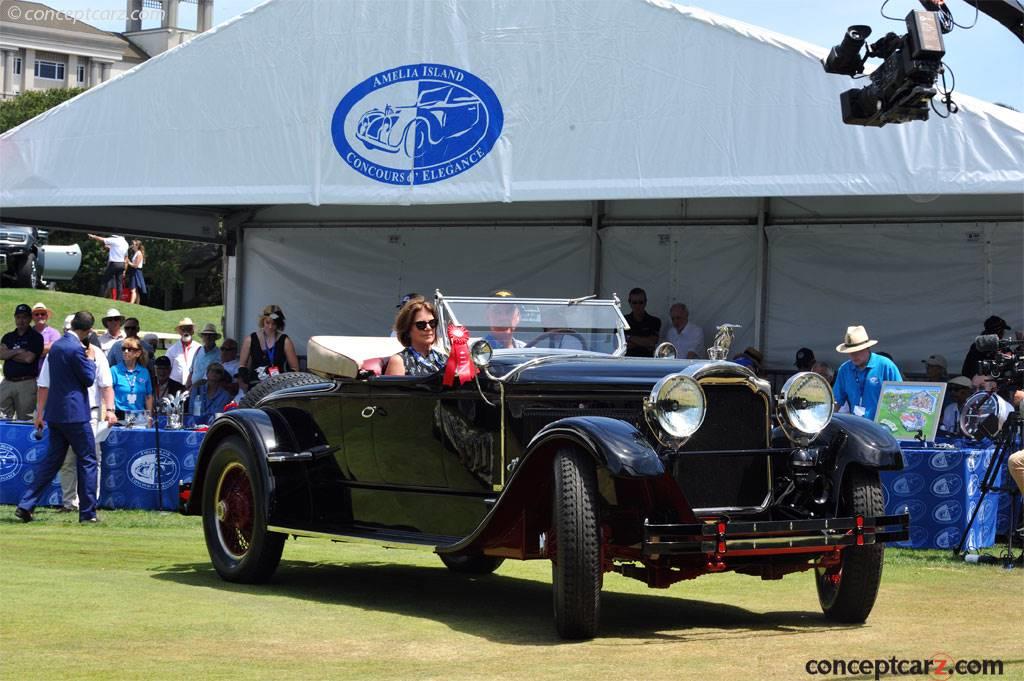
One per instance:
(948, 512)
(947, 485)
(10, 462)
(144, 472)
(417, 124)
(947, 538)
(908, 485)
(944, 461)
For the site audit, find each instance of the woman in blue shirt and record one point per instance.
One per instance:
(133, 388)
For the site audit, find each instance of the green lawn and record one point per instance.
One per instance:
(63, 304)
(135, 598)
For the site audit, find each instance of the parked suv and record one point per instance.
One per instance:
(19, 246)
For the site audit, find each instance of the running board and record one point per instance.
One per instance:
(372, 534)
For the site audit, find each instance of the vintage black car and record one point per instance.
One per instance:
(561, 449)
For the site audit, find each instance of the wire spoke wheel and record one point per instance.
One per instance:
(235, 511)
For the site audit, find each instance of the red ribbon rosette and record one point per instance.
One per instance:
(459, 365)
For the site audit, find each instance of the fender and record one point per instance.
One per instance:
(855, 440)
(615, 445)
(252, 425)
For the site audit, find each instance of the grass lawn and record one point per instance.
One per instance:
(135, 597)
(63, 304)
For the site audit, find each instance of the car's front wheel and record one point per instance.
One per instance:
(235, 516)
(576, 570)
(847, 591)
(472, 565)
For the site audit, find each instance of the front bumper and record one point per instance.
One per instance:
(722, 537)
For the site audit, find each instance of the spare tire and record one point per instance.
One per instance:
(291, 379)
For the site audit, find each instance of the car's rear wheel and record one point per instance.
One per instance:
(576, 569)
(290, 379)
(472, 565)
(235, 516)
(847, 591)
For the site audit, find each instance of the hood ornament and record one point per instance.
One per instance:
(723, 341)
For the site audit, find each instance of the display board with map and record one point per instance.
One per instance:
(909, 410)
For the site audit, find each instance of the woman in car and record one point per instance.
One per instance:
(268, 351)
(416, 326)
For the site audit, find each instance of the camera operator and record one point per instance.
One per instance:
(993, 325)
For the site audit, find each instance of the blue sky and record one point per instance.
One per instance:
(987, 60)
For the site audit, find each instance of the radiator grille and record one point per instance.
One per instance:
(736, 419)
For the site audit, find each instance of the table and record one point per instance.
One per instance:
(129, 476)
(940, 487)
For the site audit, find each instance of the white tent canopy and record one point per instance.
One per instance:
(558, 147)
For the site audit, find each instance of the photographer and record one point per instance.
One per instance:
(993, 325)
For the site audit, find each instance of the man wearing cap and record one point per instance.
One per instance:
(958, 389)
(935, 368)
(205, 355)
(183, 352)
(65, 408)
(859, 379)
(40, 317)
(804, 360)
(993, 325)
(20, 351)
(112, 321)
(131, 330)
(117, 252)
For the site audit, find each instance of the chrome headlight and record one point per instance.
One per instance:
(675, 408)
(806, 404)
(480, 354)
(665, 351)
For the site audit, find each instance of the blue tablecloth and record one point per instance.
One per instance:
(129, 476)
(940, 487)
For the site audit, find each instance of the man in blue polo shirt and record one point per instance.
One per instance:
(859, 379)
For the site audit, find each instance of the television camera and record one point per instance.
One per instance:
(901, 89)
(1006, 362)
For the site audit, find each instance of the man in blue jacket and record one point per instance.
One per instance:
(65, 408)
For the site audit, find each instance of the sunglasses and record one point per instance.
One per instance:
(133, 350)
(39, 314)
(423, 324)
(637, 302)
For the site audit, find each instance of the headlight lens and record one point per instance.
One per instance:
(665, 351)
(676, 405)
(807, 403)
(480, 353)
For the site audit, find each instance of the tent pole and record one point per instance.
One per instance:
(761, 291)
(596, 219)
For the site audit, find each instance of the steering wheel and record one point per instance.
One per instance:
(558, 333)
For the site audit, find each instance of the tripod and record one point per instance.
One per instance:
(1010, 440)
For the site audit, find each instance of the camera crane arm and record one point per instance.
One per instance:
(1009, 13)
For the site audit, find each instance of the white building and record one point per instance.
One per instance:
(42, 48)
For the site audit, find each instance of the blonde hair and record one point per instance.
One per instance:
(272, 310)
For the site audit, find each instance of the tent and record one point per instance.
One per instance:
(349, 152)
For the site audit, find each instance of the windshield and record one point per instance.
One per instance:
(548, 323)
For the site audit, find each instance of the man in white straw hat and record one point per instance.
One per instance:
(112, 322)
(205, 356)
(183, 353)
(859, 379)
(40, 322)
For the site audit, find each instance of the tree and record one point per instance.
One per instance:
(14, 112)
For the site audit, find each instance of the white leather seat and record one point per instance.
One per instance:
(341, 356)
